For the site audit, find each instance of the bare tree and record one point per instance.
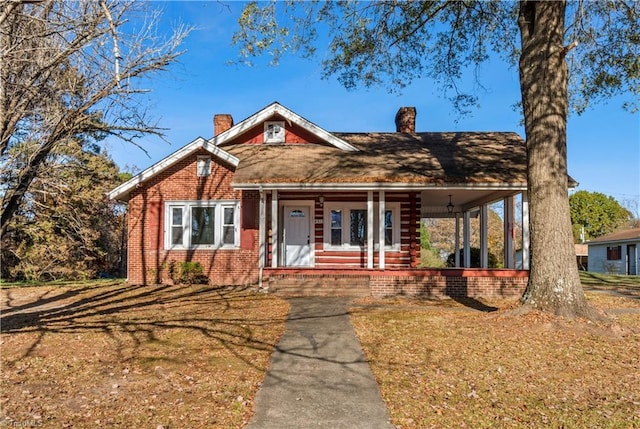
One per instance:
(72, 70)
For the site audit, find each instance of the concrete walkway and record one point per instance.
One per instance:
(318, 376)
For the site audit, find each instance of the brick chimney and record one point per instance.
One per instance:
(221, 123)
(406, 120)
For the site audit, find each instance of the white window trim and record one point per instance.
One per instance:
(186, 206)
(280, 137)
(346, 207)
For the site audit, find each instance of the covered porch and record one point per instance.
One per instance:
(367, 241)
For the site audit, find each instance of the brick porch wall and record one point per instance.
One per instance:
(472, 283)
(480, 285)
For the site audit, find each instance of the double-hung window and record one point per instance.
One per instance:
(202, 224)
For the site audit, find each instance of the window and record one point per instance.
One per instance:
(202, 224)
(614, 253)
(388, 228)
(177, 222)
(358, 227)
(203, 166)
(274, 132)
(347, 226)
(228, 226)
(336, 227)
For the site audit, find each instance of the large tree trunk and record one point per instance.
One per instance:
(554, 283)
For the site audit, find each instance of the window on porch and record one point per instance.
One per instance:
(357, 227)
(347, 226)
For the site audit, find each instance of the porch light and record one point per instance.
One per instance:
(450, 205)
(321, 200)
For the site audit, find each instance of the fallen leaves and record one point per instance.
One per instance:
(438, 366)
(154, 356)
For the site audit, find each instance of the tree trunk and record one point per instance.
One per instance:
(554, 284)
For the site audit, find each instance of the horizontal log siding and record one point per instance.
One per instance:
(406, 257)
(409, 225)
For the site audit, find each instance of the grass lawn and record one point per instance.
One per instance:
(440, 367)
(104, 354)
(108, 355)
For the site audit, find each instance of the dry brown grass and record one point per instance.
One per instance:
(441, 366)
(145, 357)
(110, 355)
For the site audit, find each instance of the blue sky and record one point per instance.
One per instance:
(603, 143)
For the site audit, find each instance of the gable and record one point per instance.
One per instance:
(293, 133)
(122, 192)
(297, 130)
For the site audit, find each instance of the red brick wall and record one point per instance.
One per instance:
(294, 134)
(148, 261)
(490, 284)
(427, 283)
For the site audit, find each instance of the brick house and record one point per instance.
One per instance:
(279, 202)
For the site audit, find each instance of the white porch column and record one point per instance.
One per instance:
(262, 230)
(457, 242)
(509, 225)
(381, 228)
(466, 239)
(275, 243)
(262, 233)
(484, 236)
(370, 227)
(525, 232)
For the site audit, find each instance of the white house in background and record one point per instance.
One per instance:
(615, 253)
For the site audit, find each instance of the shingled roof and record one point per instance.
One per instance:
(632, 234)
(410, 158)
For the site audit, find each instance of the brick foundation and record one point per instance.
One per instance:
(472, 283)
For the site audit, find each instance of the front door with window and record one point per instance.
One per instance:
(297, 236)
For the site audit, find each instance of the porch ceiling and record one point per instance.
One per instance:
(434, 202)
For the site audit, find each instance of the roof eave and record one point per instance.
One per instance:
(373, 186)
(121, 193)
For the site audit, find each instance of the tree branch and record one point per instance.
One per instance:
(114, 35)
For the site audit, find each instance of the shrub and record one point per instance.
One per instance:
(187, 272)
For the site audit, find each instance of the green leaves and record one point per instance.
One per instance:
(596, 213)
(66, 227)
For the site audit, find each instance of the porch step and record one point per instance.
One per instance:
(319, 286)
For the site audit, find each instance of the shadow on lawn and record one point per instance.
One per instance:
(139, 312)
(474, 303)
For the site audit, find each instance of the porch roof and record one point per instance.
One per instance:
(416, 160)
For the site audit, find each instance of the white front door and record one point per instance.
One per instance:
(297, 238)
